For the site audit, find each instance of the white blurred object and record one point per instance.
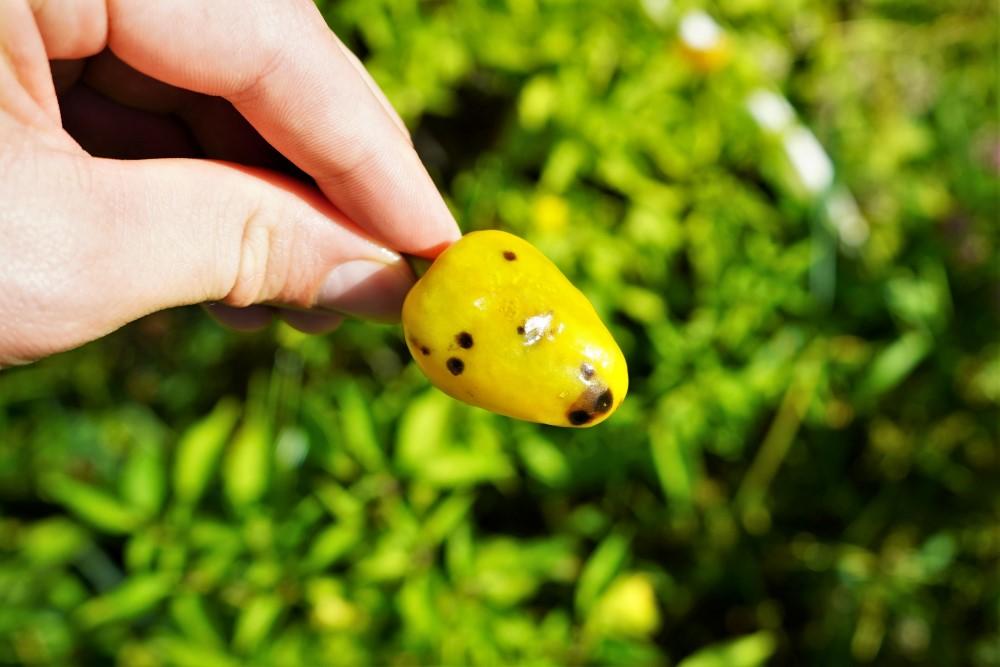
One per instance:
(292, 447)
(809, 159)
(811, 163)
(699, 31)
(843, 213)
(770, 110)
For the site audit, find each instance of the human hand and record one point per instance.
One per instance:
(220, 98)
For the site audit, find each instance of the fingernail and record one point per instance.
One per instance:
(251, 318)
(368, 289)
(312, 321)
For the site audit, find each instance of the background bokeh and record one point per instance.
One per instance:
(791, 228)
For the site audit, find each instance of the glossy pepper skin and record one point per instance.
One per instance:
(494, 323)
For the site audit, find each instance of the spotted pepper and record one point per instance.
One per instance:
(494, 323)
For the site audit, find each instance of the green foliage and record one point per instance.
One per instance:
(805, 470)
(748, 651)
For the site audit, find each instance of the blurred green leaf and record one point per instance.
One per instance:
(674, 460)
(416, 606)
(358, 429)
(458, 468)
(339, 501)
(445, 517)
(893, 364)
(563, 164)
(135, 597)
(642, 305)
(53, 541)
(602, 566)
(199, 449)
(749, 651)
(255, 622)
(543, 460)
(143, 480)
(502, 575)
(459, 552)
(330, 545)
(188, 612)
(330, 608)
(141, 549)
(673, 438)
(390, 560)
(539, 99)
(184, 653)
(937, 553)
(247, 463)
(920, 300)
(92, 504)
(423, 429)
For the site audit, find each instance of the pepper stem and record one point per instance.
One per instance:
(419, 265)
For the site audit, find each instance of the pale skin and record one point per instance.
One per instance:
(219, 98)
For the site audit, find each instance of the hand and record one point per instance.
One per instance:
(221, 98)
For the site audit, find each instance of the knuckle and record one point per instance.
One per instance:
(265, 270)
(254, 254)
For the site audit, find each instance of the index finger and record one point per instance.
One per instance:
(285, 71)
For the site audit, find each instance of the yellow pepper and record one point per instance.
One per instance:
(494, 323)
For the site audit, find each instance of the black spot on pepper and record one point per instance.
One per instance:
(424, 350)
(509, 255)
(587, 371)
(596, 399)
(520, 331)
(464, 340)
(455, 365)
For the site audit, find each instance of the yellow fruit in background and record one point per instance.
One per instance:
(550, 213)
(494, 323)
(710, 59)
(703, 43)
(628, 608)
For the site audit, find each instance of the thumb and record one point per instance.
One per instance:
(134, 237)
